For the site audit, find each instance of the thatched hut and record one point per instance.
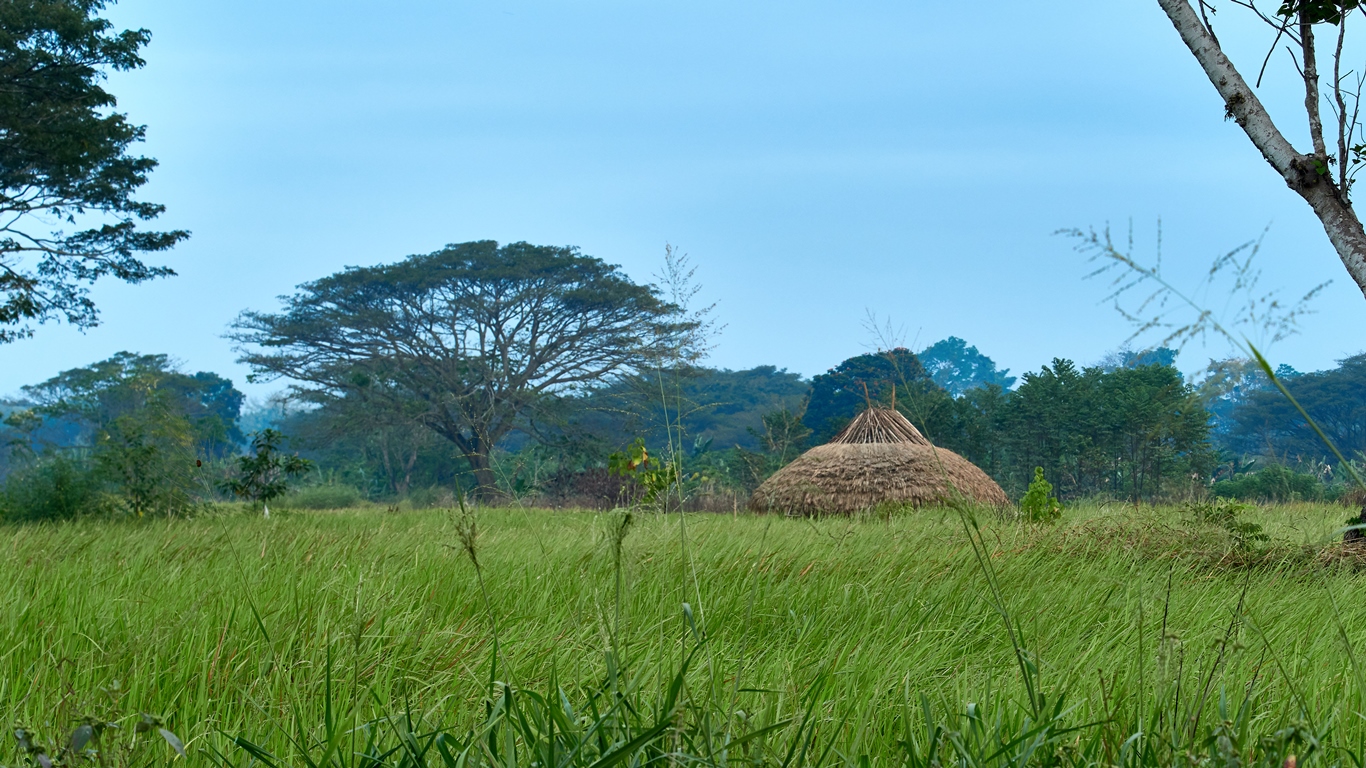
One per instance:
(879, 457)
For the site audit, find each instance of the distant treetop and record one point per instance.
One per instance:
(957, 367)
(1128, 358)
(844, 391)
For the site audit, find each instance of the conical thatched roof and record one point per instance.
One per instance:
(879, 457)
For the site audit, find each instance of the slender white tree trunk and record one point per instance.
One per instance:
(1308, 175)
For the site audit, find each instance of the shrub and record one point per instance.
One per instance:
(1273, 483)
(53, 488)
(149, 455)
(265, 474)
(1228, 515)
(1038, 504)
(325, 497)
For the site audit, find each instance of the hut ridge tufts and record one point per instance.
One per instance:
(879, 425)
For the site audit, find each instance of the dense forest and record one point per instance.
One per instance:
(134, 432)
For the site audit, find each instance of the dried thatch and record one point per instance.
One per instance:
(879, 457)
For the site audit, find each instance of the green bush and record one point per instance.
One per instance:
(1228, 515)
(266, 472)
(324, 497)
(1273, 483)
(1038, 504)
(53, 488)
(149, 455)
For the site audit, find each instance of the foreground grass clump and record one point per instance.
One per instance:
(816, 640)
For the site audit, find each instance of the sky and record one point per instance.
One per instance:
(819, 162)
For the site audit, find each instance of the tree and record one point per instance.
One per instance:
(265, 474)
(1323, 177)
(977, 431)
(149, 453)
(65, 162)
(1265, 423)
(1048, 422)
(1225, 385)
(842, 392)
(476, 334)
(94, 397)
(1124, 432)
(1154, 429)
(375, 440)
(721, 406)
(957, 367)
(1128, 358)
(783, 439)
(144, 424)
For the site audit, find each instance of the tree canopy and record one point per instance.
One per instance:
(957, 367)
(1138, 432)
(67, 178)
(144, 425)
(1125, 432)
(475, 334)
(1265, 423)
(842, 392)
(716, 407)
(95, 396)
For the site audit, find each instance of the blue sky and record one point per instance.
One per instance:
(818, 161)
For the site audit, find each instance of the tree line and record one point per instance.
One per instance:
(517, 370)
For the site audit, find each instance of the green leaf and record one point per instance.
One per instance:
(81, 736)
(1317, 11)
(173, 740)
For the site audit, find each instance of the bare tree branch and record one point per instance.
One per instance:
(1341, 111)
(1311, 84)
(1307, 175)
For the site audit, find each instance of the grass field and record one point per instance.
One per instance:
(231, 624)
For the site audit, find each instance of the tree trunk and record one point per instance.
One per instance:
(407, 480)
(1308, 175)
(388, 468)
(485, 484)
(475, 448)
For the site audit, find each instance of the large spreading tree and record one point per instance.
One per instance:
(1265, 423)
(469, 340)
(67, 180)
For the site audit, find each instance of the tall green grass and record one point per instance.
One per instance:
(1142, 635)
